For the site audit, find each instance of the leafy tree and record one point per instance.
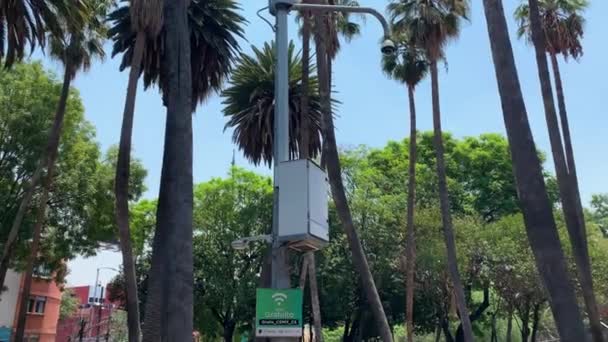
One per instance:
(74, 48)
(599, 203)
(531, 188)
(69, 304)
(78, 204)
(225, 281)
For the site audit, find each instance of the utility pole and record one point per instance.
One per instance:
(280, 9)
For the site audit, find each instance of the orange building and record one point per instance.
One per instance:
(42, 308)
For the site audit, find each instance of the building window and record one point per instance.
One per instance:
(36, 305)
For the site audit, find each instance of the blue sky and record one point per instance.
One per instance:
(374, 109)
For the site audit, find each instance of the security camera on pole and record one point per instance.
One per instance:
(300, 207)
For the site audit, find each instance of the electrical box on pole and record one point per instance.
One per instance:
(303, 205)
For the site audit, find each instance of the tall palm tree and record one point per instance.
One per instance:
(146, 22)
(555, 27)
(24, 23)
(409, 66)
(325, 45)
(188, 60)
(531, 189)
(76, 49)
(431, 24)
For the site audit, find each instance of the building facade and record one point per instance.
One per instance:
(92, 320)
(42, 308)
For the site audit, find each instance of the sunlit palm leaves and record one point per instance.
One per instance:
(430, 24)
(76, 47)
(562, 22)
(215, 26)
(27, 22)
(249, 105)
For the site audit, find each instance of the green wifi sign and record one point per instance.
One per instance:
(278, 313)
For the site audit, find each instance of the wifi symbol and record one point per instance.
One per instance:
(279, 298)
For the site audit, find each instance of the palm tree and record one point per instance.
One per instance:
(325, 45)
(146, 22)
(22, 22)
(188, 60)
(26, 23)
(531, 189)
(431, 24)
(409, 66)
(556, 27)
(249, 105)
(75, 50)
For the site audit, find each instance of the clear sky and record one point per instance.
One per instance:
(374, 109)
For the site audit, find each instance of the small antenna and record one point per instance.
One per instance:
(233, 158)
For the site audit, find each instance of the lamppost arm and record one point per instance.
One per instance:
(346, 9)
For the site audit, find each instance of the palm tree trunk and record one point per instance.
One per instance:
(532, 192)
(571, 207)
(535, 321)
(122, 190)
(411, 242)
(576, 212)
(169, 308)
(444, 201)
(48, 158)
(314, 294)
(305, 154)
(509, 327)
(51, 156)
(338, 192)
(303, 272)
(438, 333)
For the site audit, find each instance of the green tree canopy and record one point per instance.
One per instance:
(81, 211)
(227, 209)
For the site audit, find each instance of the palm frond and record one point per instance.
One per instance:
(429, 24)
(215, 27)
(563, 25)
(26, 23)
(249, 105)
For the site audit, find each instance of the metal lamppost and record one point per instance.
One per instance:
(280, 9)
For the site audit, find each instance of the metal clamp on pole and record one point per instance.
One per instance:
(284, 4)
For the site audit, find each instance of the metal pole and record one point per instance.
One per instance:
(279, 274)
(96, 314)
(280, 269)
